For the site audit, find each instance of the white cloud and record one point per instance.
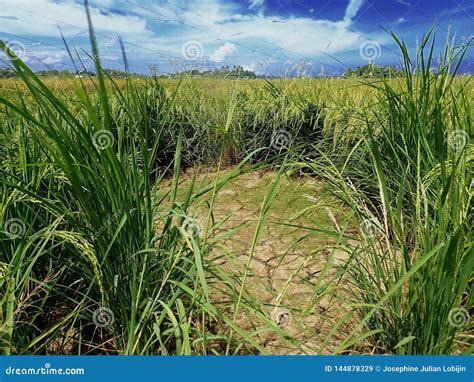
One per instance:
(220, 54)
(42, 17)
(101, 3)
(252, 67)
(352, 9)
(159, 29)
(302, 36)
(51, 58)
(256, 3)
(45, 57)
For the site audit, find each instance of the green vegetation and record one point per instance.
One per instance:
(7, 73)
(373, 71)
(102, 250)
(236, 72)
(410, 181)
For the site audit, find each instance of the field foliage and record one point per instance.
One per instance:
(98, 255)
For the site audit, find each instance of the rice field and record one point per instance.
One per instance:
(218, 217)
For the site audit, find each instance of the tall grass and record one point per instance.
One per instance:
(98, 257)
(93, 260)
(409, 181)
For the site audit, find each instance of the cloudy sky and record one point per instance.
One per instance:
(268, 36)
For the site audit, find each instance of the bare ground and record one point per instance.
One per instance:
(292, 277)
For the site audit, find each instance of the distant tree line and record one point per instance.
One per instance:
(9, 73)
(373, 71)
(225, 72)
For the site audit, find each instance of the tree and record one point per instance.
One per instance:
(373, 71)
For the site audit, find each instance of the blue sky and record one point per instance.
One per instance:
(314, 37)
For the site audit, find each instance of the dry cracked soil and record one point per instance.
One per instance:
(292, 275)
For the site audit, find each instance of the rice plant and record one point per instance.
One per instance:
(85, 268)
(409, 181)
(101, 251)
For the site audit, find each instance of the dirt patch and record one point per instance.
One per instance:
(291, 277)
